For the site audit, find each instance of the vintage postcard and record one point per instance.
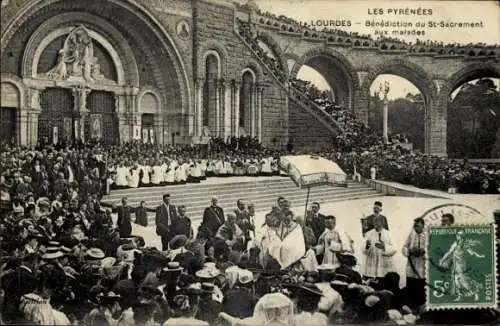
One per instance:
(249, 162)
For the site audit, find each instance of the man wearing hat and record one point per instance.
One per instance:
(209, 309)
(345, 271)
(367, 222)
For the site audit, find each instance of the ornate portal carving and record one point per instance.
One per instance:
(76, 59)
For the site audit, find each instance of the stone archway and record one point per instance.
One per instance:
(466, 74)
(271, 43)
(144, 56)
(335, 68)
(413, 73)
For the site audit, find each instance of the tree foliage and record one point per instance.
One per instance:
(406, 117)
(474, 121)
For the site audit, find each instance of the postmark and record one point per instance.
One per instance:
(461, 267)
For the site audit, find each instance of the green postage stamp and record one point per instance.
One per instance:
(461, 267)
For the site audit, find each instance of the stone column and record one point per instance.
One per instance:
(253, 102)
(27, 120)
(236, 108)
(199, 105)
(33, 126)
(436, 120)
(158, 127)
(385, 117)
(24, 127)
(226, 122)
(259, 98)
(221, 86)
(216, 128)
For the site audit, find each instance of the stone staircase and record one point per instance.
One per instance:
(294, 94)
(262, 192)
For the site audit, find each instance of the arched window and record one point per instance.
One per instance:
(210, 91)
(246, 98)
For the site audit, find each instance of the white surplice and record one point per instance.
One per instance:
(378, 262)
(330, 242)
(291, 246)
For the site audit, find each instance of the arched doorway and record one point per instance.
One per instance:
(10, 104)
(246, 109)
(147, 128)
(103, 124)
(143, 56)
(56, 122)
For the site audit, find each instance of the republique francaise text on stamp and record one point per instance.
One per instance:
(461, 267)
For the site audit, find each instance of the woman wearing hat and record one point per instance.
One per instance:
(273, 309)
(185, 310)
(240, 300)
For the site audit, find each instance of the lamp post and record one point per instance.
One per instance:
(385, 113)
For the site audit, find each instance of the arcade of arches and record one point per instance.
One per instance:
(120, 70)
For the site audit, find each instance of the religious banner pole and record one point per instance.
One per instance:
(307, 203)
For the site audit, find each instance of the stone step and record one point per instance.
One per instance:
(203, 186)
(262, 193)
(197, 216)
(237, 191)
(267, 199)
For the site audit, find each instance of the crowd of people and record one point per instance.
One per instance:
(73, 263)
(360, 150)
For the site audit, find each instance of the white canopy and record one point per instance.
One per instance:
(307, 170)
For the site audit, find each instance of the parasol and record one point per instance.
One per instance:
(309, 171)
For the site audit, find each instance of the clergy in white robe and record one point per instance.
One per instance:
(332, 241)
(266, 166)
(122, 174)
(133, 180)
(378, 250)
(229, 167)
(414, 249)
(291, 247)
(196, 170)
(146, 170)
(165, 169)
(157, 174)
(266, 237)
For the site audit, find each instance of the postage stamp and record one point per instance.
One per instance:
(461, 267)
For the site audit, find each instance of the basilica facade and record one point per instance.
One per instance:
(152, 70)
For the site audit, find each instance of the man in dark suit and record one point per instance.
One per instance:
(166, 214)
(141, 214)
(213, 217)
(315, 220)
(367, 222)
(243, 220)
(123, 222)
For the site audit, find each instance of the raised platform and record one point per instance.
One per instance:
(261, 191)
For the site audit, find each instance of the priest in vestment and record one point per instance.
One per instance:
(378, 250)
(290, 247)
(332, 241)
